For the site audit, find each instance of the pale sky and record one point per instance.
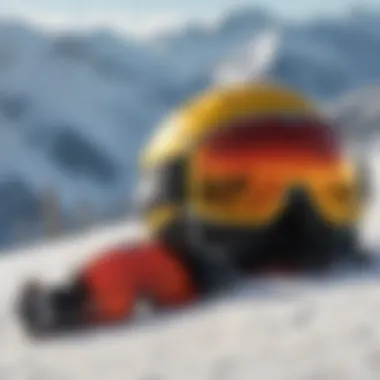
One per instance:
(144, 16)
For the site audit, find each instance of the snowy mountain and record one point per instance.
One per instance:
(198, 49)
(358, 112)
(75, 108)
(322, 59)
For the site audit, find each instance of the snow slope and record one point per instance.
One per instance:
(305, 329)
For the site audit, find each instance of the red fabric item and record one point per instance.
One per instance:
(118, 277)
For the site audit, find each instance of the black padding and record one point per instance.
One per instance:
(69, 302)
(163, 185)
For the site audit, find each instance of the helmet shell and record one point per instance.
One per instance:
(164, 162)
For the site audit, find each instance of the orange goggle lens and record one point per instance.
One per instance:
(242, 175)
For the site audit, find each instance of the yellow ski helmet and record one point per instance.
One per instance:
(173, 173)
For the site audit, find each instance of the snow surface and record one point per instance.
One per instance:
(269, 329)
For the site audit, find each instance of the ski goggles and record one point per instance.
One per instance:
(243, 175)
